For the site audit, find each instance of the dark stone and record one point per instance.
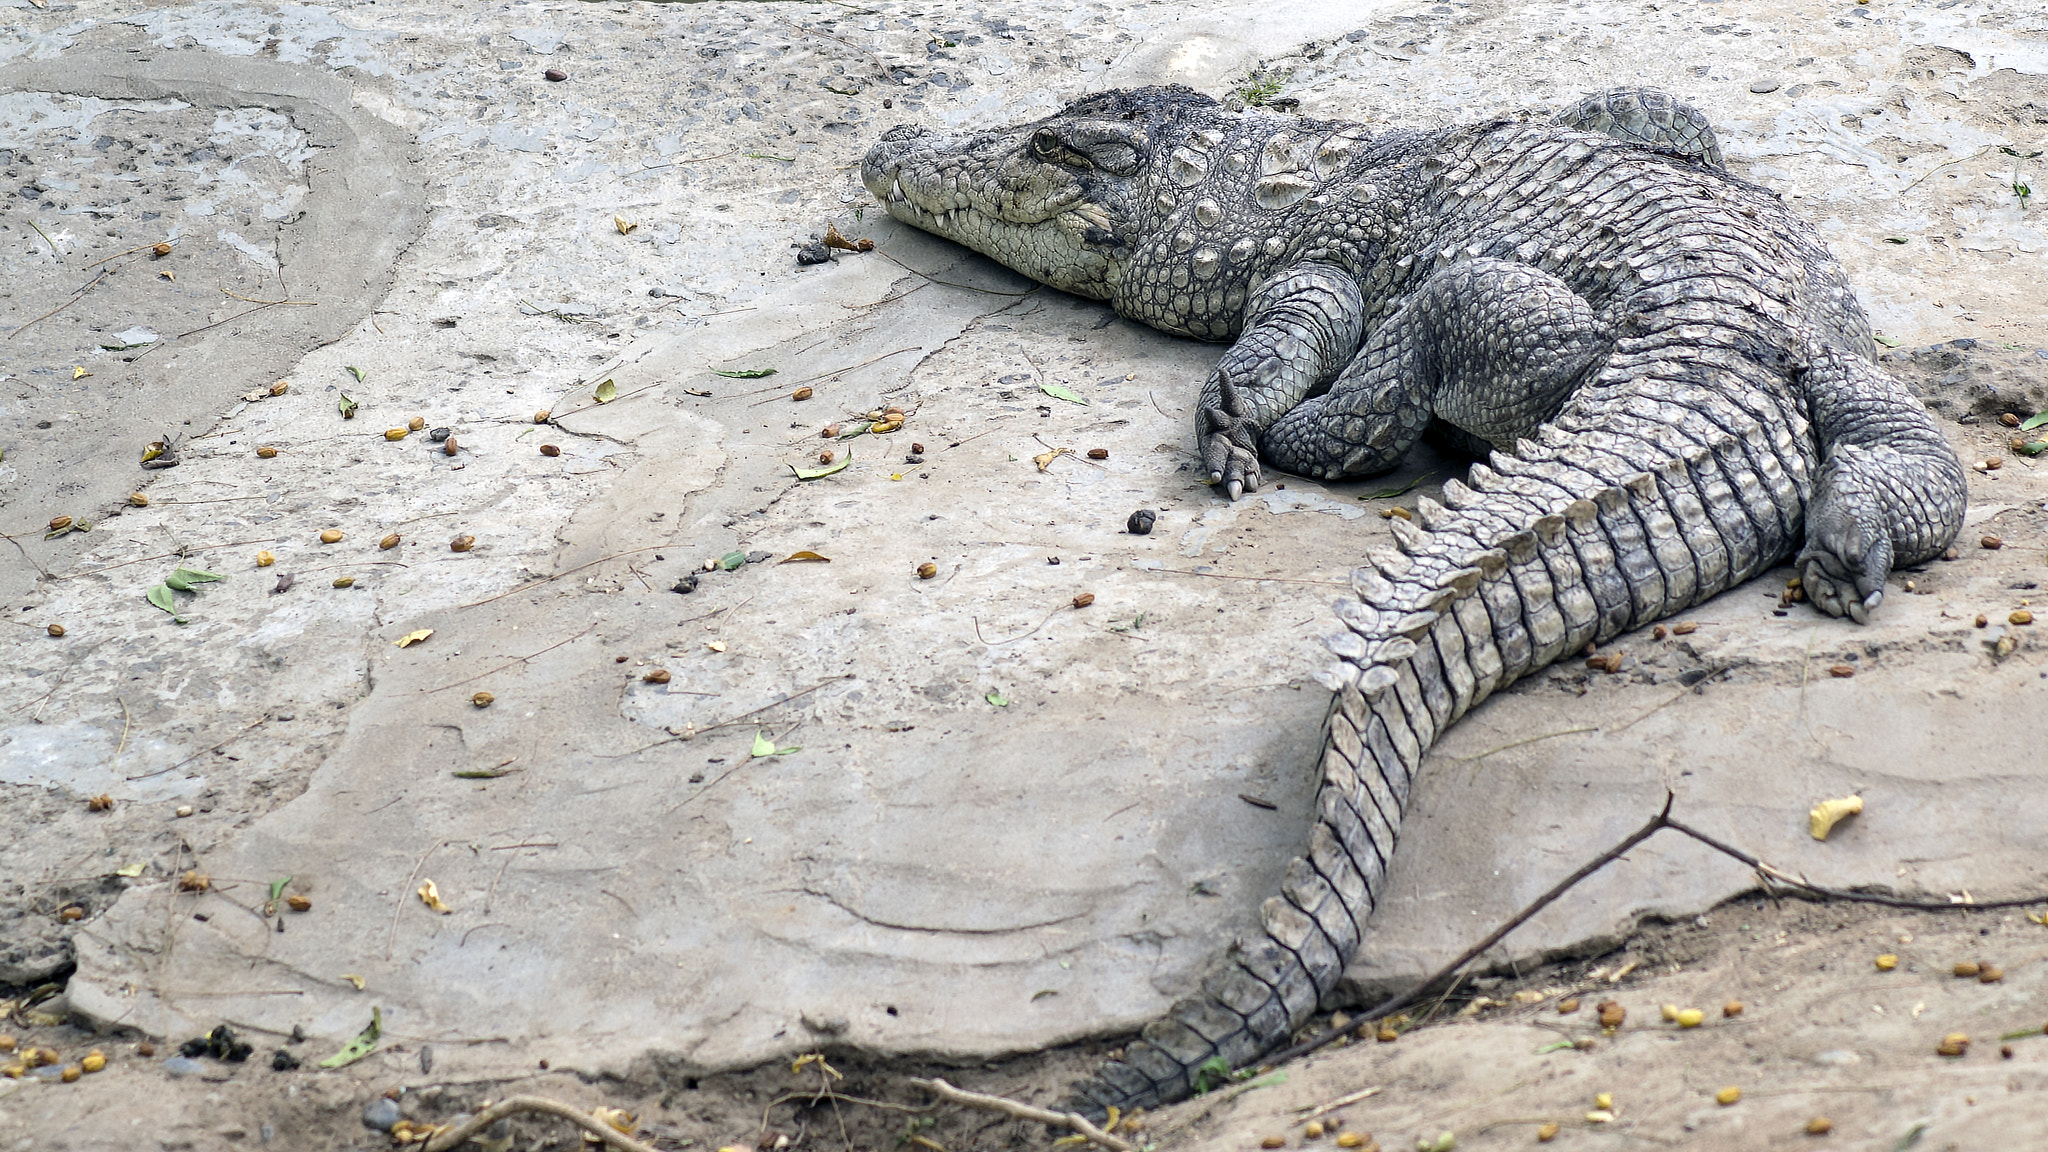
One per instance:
(1141, 521)
(814, 253)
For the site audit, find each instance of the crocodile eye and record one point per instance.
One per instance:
(1046, 145)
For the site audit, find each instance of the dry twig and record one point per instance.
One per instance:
(987, 1103)
(451, 1138)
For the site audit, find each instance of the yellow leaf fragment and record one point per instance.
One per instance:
(624, 225)
(1828, 813)
(617, 1119)
(430, 895)
(1044, 459)
(353, 979)
(818, 1058)
(412, 638)
(79, 373)
(806, 554)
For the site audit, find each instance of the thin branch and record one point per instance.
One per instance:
(559, 575)
(59, 308)
(1778, 876)
(692, 733)
(450, 1138)
(987, 1103)
(502, 667)
(403, 894)
(202, 751)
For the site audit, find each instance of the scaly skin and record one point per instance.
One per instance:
(1677, 383)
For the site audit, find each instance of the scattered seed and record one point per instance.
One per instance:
(448, 448)
(554, 75)
(389, 542)
(331, 536)
(1390, 513)
(7, 1043)
(1819, 1126)
(71, 1073)
(194, 881)
(1098, 453)
(280, 388)
(2021, 617)
(265, 559)
(1670, 1012)
(482, 699)
(1990, 974)
(1567, 1007)
(656, 676)
(1967, 970)
(100, 803)
(927, 570)
(1084, 599)
(462, 543)
(1141, 521)
(397, 433)
(55, 630)
(1585, 1044)
(59, 523)
(416, 423)
(2005, 1051)
(1612, 1014)
(1546, 1134)
(1953, 1044)
(917, 448)
(160, 250)
(1354, 1139)
(1843, 671)
(70, 914)
(1606, 662)
(1273, 1142)
(94, 1061)
(827, 456)
(550, 450)
(1684, 628)
(1604, 1101)
(344, 581)
(1728, 1095)
(183, 811)
(540, 417)
(803, 393)
(1690, 1017)
(1657, 633)
(1982, 620)
(1992, 542)
(1950, 553)
(1732, 1008)
(829, 432)
(1993, 463)
(1386, 1035)
(1887, 962)
(138, 500)
(2004, 647)
(1314, 1130)
(298, 903)
(145, 1049)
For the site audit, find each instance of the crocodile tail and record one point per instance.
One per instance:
(1568, 540)
(1259, 991)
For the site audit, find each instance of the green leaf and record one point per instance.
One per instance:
(1895, 239)
(2032, 448)
(769, 156)
(1888, 341)
(1060, 392)
(1560, 1046)
(358, 373)
(744, 373)
(195, 576)
(2034, 421)
(607, 392)
(731, 561)
(820, 473)
(160, 595)
(347, 407)
(997, 699)
(1213, 1072)
(763, 746)
(1390, 493)
(364, 1043)
(177, 583)
(277, 888)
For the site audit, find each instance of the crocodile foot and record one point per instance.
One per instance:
(1230, 442)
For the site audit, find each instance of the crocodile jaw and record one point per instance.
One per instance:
(987, 193)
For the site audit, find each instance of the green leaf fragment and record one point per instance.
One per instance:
(743, 373)
(731, 561)
(277, 888)
(347, 406)
(1390, 493)
(196, 576)
(607, 392)
(1060, 392)
(129, 870)
(1560, 1046)
(1895, 239)
(1888, 341)
(160, 595)
(998, 699)
(364, 1043)
(1211, 1073)
(763, 746)
(2034, 421)
(177, 583)
(358, 373)
(820, 473)
(2032, 448)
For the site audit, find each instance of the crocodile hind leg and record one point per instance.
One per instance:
(1647, 116)
(1490, 346)
(1890, 490)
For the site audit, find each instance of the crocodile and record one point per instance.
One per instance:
(1667, 383)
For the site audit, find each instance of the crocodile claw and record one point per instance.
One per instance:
(1230, 441)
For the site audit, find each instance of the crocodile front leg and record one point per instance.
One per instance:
(1303, 325)
(1491, 346)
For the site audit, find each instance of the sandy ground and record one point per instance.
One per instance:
(1007, 831)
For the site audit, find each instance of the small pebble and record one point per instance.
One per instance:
(1764, 85)
(440, 434)
(1141, 521)
(182, 1066)
(553, 76)
(380, 1114)
(913, 458)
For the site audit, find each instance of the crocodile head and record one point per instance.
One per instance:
(1054, 199)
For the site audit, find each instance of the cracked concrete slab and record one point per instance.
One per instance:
(1010, 822)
